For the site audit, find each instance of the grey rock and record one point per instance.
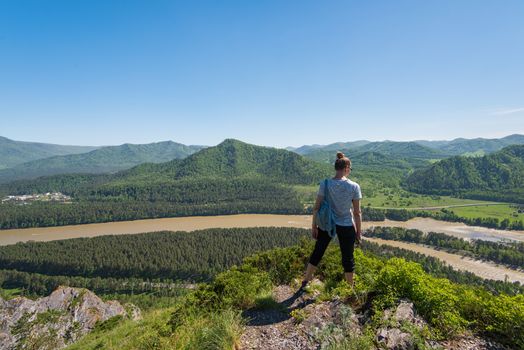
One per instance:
(133, 312)
(394, 338)
(391, 336)
(59, 319)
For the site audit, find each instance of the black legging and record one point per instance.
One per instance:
(346, 239)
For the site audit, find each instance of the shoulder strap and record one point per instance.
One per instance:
(326, 192)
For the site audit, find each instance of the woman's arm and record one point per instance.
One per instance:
(357, 214)
(314, 227)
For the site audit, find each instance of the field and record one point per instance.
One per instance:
(306, 194)
(397, 198)
(501, 212)
(378, 196)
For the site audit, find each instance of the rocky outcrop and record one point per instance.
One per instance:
(300, 321)
(394, 335)
(55, 321)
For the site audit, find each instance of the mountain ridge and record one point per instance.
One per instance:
(17, 152)
(108, 159)
(457, 146)
(233, 158)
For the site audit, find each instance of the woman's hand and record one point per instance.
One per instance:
(358, 238)
(314, 231)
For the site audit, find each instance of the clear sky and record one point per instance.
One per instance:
(269, 72)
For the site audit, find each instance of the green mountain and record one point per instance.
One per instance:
(233, 159)
(17, 152)
(479, 146)
(498, 176)
(103, 160)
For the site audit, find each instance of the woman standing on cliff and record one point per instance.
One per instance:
(344, 197)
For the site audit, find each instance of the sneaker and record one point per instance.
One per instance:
(303, 285)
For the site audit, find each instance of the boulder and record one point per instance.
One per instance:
(55, 321)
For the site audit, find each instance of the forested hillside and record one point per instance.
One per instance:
(103, 160)
(498, 176)
(231, 178)
(18, 152)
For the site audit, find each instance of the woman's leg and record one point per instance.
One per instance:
(346, 239)
(321, 245)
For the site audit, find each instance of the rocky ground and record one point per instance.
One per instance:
(298, 321)
(57, 320)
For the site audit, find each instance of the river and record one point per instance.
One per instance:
(244, 220)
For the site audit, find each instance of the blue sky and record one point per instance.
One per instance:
(269, 72)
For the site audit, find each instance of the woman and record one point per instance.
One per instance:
(343, 194)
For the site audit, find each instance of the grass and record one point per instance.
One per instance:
(126, 335)
(376, 195)
(306, 193)
(7, 294)
(212, 330)
(403, 199)
(145, 301)
(266, 301)
(501, 212)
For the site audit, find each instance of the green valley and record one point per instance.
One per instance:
(235, 177)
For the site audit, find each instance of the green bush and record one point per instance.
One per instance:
(501, 316)
(237, 287)
(434, 298)
(282, 264)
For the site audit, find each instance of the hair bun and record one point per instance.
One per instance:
(340, 155)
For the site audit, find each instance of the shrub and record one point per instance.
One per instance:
(237, 287)
(434, 298)
(282, 264)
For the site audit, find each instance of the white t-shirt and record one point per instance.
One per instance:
(341, 193)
